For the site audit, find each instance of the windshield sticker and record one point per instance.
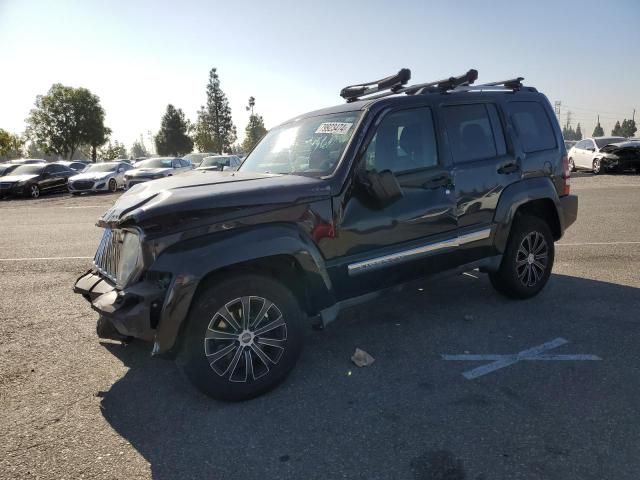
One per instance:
(335, 128)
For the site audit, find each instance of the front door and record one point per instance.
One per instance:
(380, 246)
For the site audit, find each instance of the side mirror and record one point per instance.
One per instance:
(382, 187)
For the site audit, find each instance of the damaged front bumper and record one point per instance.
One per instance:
(133, 311)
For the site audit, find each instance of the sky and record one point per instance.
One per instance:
(295, 56)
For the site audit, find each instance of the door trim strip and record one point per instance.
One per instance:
(405, 255)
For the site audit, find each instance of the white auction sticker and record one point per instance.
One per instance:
(336, 128)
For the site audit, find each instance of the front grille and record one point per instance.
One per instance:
(82, 185)
(108, 254)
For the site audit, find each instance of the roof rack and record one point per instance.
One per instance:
(392, 83)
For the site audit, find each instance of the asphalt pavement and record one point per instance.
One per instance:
(73, 407)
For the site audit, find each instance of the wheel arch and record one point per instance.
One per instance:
(281, 251)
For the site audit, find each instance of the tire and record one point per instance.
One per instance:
(596, 166)
(235, 363)
(33, 191)
(75, 194)
(572, 165)
(520, 275)
(113, 185)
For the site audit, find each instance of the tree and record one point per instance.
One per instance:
(568, 133)
(11, 145)
(578, 134)
(172, 139)
(617, 130)
(66, 118)
(215, 130)
(598, 131)
(628, 128)
(113, 151)
(138, 149)
(255, 128)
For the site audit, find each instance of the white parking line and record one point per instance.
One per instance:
(581, 244)
(43, 258)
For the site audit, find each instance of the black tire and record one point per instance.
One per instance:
(572, 165)
(113, 185)
(254, 375)
(75, 194)
(33, 191)
(596, 166)
(509, 279)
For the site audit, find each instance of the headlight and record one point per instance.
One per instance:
(130, 258)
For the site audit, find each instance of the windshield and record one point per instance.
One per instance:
(196, 158)
(308, 146)
(155, 163)
(33, 169)
(215, 161)
(601, 142)
(104, 167)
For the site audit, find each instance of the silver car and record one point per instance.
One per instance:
(220, 162)
(99, 177)
(155, 168)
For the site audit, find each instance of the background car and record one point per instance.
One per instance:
(196, 158)
(6, 168)
(27, 161)
(155, 168)
(569, 144)
(99, 177)
(32, 180)
(618, 157)
(220, 162)
(76, 165)
(583, 153)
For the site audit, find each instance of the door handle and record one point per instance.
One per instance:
(437, 182)
(507, 168)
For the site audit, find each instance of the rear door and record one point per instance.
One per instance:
(483, 167)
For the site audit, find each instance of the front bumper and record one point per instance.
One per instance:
(133, 311)
(569, 205)
(12, 190)
(98, 186)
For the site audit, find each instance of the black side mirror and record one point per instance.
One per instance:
(382, 187)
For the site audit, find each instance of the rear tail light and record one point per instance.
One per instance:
(566, 176)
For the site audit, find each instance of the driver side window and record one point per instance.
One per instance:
(404, 142)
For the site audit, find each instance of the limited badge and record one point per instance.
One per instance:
(335, 128)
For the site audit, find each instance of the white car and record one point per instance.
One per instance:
(155, 168)
(196, 158)
(584, 154)
(99, 177)
(220, 162)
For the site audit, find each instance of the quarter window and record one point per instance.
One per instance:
(470, 134)
(405, 141)
(533, 126)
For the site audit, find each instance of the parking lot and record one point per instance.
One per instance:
(73, 407)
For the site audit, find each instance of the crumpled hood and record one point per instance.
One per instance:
(198, 195)
(90, 176)
(17, 178)
(143, 172)
(620, 146)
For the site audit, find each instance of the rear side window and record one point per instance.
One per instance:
(470, 134)
(533, 126)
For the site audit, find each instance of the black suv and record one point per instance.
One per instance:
(225, 270)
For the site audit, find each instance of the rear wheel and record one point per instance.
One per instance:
(243, 337)
(527, 261)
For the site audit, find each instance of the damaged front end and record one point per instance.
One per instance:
(621, 156)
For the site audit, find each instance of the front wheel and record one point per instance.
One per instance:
(34, 191)
(527, 261)
(596, 166)
(113, 185)
(244, 335)
(572, 165)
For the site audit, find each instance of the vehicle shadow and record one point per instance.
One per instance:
(333, 420)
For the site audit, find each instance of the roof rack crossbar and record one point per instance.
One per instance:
(439, 85)
(393, 83)
(514, 83)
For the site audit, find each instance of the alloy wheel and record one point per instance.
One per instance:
(596, 166)
(113, 186)
(532, 259)
(245, 339)
(34, 191)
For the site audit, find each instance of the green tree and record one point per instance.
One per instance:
(617, 130)
(173, 138)
(214, 130)
(628, 128)
(598, 131)
(112, 151)
(66, 118)
(11, 145)
(138, 149)
(578, 134)
(568, 132)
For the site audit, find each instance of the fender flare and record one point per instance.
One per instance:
(515, 196)
(193, 259)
